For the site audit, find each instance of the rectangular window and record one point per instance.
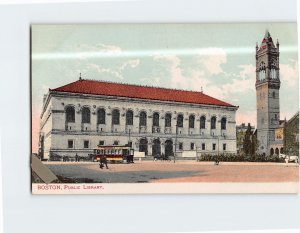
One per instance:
(203, 146)
(224, 146)
(180, 145)
(85, 144)
(101, 143)
(116, 143)
(192, 146)
(130, 144)
(70, 144)
(214, 146)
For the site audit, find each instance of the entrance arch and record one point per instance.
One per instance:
(169, 148)
(272, 151)
(143, 146)
(156, 150)
(277, 151)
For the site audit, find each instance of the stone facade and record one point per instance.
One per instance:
(76, 123)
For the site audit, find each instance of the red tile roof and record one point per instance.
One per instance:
(140, 92)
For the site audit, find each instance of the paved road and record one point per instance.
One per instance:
(181, 171)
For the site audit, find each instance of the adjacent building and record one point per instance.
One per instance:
(83, 114)
(245, 139)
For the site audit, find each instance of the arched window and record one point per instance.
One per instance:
(155, 119)
(213, 122)
(180, 120)
(192, 121)
(70, 114)
(115, 117)
(86, 115)
(202, 122)
(272, 151)
(262, 71)
(168, 118)
(223, 123)
(129, 117)
(101, 116)
(143, 119)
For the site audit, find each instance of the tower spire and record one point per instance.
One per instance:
(267, 34)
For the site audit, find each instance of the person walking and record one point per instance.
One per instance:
(76, 158)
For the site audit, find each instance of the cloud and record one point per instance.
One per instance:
(212, 59)
(117, 72)
(289, 73)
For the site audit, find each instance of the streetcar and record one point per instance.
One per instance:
(114, 153)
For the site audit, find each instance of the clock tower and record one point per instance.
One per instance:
(267, 92)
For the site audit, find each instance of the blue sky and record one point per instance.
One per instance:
(219, 58)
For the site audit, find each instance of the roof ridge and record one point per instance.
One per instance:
(140, 85)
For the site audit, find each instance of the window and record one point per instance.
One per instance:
(262, 71)
(116, 142)
(223, 123)
(202, 122)
(180, 145)
(86, 115)
(203, 146)
(273, 94)
(192, 146)
(224, 146)
(214, 146)
(101, 116)
(70, 114)
(130, 144)
(143, 119)
(156, 119)
(101, 143)
(273, 71)
(213, 122)
(115, 117)
(192, 121)
(70, 144)
(180, 120)
(129, 117)
(168, 118)
(86, 144)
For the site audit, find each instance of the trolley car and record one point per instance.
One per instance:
(114, 153)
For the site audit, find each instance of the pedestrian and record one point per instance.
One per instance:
(101, 162)
(76, 158)
(105, 161)
(286, 160)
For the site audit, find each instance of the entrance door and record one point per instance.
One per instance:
(169, 148)
(143, 146)
(156, 147)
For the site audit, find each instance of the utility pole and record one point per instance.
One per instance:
(129, 137)
(175, 143)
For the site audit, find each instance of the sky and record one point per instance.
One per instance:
(216, 58)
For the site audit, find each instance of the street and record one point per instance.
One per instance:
(181, 171)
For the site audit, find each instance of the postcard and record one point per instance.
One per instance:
(164, 108)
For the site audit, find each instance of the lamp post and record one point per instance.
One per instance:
(175, 143)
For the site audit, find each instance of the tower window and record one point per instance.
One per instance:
(262, 71)
(273, 94)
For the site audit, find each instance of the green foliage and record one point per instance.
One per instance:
(230, 157)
